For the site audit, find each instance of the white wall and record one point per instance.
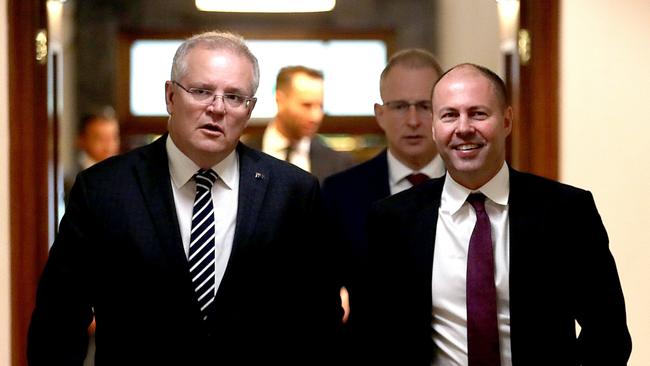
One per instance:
(468, 31)
(605, 135)
(5, 293)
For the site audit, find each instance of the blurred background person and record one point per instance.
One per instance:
(291, 135)
(98, 138)
(410, 158)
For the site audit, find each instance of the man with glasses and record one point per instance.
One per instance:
(291, 135)
(405, 116)
(191, 250)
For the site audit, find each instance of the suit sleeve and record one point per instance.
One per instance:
(58, 328)
(604, 337)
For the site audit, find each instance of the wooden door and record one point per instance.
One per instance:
(32, 159)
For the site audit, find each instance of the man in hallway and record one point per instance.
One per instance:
(191, 250)
(493, 267)
(291, 135)
(405, 116)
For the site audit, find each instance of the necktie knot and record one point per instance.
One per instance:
(205, 178)
(477, 200)
(417, 178)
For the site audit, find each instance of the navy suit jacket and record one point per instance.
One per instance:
(561, 271)
(119, 252)
(325, 161)
(348, 197)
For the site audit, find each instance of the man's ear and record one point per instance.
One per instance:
(379, 115)
(169, 95)
(508, 116)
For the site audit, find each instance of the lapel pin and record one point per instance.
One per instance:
(259, 175)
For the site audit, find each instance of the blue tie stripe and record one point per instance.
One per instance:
(202, 246)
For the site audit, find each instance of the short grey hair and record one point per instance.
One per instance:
(215, 40)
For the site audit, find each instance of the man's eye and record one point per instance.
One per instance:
(234, 98)
(448, 117)
(400, 106)
(425, 106)
(201, 92)
(480, 115)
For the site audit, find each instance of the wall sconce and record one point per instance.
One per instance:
(266, 6)
(508, 24)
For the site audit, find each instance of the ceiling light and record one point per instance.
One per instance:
(266, 6)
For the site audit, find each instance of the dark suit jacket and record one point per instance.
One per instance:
(347, 197)
(325, 161)
(561, 271)
(119, 251)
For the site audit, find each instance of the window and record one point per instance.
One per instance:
(351, 69)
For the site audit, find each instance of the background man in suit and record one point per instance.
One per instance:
(405, 116)
(226, 277)
(513, 269)
(291, 135)
(98, 138)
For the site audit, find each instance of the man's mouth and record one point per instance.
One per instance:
(468, 147)
(212, 128)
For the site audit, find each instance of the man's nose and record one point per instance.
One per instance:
(218, 107)
(412, 116)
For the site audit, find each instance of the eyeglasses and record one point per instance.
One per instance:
(207, 97)
(422, 107)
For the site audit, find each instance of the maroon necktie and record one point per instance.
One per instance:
(482, 328)
(417, 178)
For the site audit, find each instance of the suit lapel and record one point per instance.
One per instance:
(254, 177)
(424, 235)
(152, 171)
(378, 173)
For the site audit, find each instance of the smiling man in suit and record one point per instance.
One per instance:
(487, 265)
(191, 250)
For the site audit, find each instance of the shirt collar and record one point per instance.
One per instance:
(496, 189)
(397, 171)
(182, 168)
(275, 142)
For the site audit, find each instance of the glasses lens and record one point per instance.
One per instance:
(233, 100)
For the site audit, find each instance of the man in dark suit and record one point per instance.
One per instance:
(488, 265)
(405, 116)
(191, 250)
(291, 135)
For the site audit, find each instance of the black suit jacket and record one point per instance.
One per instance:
(561, 271)
(119, 251)
(325, 161)
(348, 197)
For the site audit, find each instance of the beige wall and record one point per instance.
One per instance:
(5, 294)
(605, 134)
(468, 31)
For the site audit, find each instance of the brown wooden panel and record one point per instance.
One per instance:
(29, 142)
(535, 136)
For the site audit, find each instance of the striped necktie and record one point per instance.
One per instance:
(202, 246)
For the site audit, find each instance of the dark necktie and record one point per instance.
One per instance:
(482, 326)
(289, 151)
(417, 178)
(202, 247)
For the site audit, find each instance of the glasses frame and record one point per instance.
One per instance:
(192, 92)
(392, 106)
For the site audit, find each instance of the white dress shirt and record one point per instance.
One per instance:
(397, 172)
(275, 144)
(456, 219)
(225, 193)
